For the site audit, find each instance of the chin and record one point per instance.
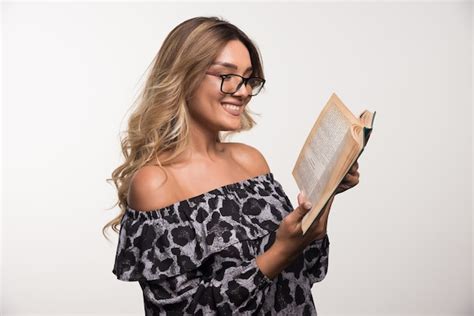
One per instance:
(231, 122)
(228, 127)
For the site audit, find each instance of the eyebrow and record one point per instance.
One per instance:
(229, 65)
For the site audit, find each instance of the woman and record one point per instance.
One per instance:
(205, 227)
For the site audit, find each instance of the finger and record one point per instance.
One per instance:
(298, 214)
(348, 178)
(354, 167)
(300, 198)
(303, 201)
(303, 207)
(351, 178)
(343, 187)
(350, 171)
(354, 179)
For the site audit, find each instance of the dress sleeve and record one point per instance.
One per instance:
(316, 257)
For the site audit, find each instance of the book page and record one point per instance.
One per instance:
(334, 143)
(320, 154)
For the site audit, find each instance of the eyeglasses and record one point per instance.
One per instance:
(232, 82)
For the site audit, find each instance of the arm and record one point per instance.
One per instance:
(275, 259)
(316, 256)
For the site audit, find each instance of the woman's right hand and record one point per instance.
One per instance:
(289, 236)
(289, 240)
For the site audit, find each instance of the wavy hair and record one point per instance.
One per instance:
(159, 122)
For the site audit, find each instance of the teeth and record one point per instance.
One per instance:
(231, 106)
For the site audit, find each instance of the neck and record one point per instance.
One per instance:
(203, 144)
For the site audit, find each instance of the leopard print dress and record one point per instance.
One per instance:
(197, 256)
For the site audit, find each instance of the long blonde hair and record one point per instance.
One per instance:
(159, 123)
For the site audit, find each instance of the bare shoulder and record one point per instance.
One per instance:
(150, 188)
(250, 158)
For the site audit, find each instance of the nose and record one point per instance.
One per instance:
(243, 91)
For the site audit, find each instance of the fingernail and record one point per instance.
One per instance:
(308, 205)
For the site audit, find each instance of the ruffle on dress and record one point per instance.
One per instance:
(178, 238)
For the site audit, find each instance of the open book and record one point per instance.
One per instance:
(334, 144)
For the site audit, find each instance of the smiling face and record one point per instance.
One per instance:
(208, 105)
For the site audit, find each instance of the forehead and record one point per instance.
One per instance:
(234, 56)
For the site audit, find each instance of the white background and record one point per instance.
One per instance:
(401, 241)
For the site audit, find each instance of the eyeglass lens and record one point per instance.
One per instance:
(230, 84)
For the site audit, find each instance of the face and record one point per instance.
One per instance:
(208, 105)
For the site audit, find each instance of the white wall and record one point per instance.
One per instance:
(472, 133)
(401, 241)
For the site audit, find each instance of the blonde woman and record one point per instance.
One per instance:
(205, 228)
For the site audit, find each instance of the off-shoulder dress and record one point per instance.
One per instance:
(197, 256)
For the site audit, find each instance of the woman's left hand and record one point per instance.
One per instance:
(350, 180)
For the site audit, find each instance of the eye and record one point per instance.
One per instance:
(255, 82)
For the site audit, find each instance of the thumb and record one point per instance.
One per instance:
(303, 206)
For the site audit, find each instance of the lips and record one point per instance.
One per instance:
(233, 109)
(231, 102)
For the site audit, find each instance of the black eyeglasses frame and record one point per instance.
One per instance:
(244, 81)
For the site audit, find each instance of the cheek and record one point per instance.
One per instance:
(205, 102)
(209, 91)
(210, 97)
